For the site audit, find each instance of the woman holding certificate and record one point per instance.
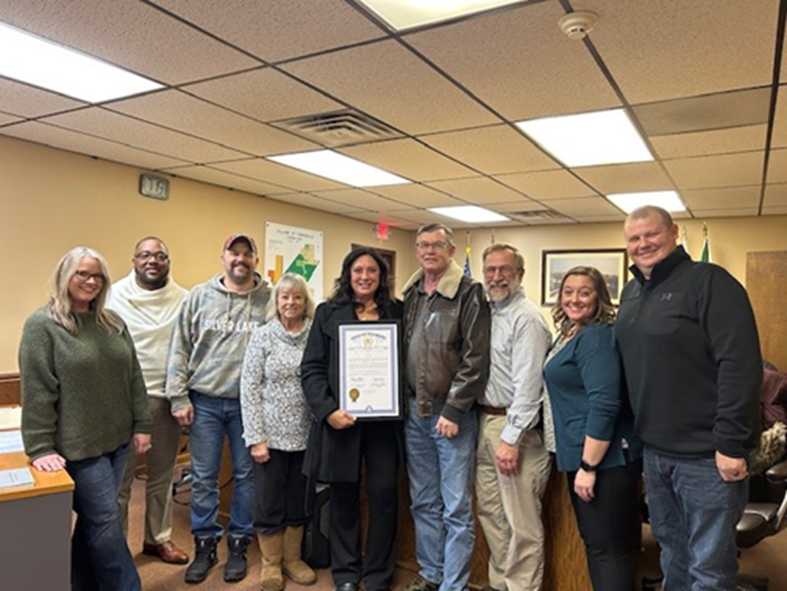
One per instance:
(338, 442)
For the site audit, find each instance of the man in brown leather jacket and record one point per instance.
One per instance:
(447, 325)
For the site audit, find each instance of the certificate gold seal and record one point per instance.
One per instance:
(354, 394)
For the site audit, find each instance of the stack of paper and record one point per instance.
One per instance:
(16, 477)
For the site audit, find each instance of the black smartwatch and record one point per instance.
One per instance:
(587, 467)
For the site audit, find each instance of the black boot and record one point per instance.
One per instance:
(204, 559)
(235, 569)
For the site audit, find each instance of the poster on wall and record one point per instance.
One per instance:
(294, 250)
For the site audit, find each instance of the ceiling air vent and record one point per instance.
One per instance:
(539, 216)
(338, 128)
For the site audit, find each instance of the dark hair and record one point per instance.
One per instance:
(342, 290)
(605, 311)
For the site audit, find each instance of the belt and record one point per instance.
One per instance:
(493, 410)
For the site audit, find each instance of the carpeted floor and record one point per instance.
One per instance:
(768, 558)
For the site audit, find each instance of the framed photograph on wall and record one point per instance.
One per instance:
(612, 262)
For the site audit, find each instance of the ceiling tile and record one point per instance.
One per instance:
(119, 128)
(133, 35)
(775, 195)
(279, 174)
(185, 113)
(275, 31)
(309, 200)
(522, 204)
(416, 195)
(551, 184)
(624, 178)
(492, 150)
(360, 199)
(584, 207)
(5, 119)
(707, 143)
(733, 212)
(519, 62)
(387, 81)
(731, 170)
(392, 220)
(597, 219)
(88, 145)
(776, 210)
(29, 101)
(721, 198)
(779, 139)
(225, 179)
(477, 190)
(664, 50)
(409, 159)
(777, 167)
(265, 95)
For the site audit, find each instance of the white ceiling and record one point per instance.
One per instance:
(701, 78)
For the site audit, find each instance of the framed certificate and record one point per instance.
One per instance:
(370, 384)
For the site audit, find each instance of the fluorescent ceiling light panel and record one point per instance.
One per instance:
(589, 139)
(628, 202)
(339, 167)
(406, 14)
(40, 62)
(469, 213)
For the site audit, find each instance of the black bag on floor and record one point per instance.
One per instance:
(316, 548)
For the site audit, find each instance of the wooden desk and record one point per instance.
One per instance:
(35, 546)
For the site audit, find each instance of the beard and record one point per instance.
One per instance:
(155, 282)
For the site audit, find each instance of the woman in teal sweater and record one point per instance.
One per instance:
(594, 430)
(84, 400)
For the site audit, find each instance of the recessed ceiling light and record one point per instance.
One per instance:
(469, 213)
(339, 167)
(628, 202)
(40, 62)
(589, 139)
(406, 14)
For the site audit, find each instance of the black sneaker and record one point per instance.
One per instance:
(204, 559)
(235, 570)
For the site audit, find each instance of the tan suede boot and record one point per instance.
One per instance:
(271, 549)
(293, 566)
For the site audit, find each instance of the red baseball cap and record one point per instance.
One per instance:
(235, 237)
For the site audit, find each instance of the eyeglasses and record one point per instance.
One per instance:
(161, 257)
(85, 275)
(505, 270)
(431, 245)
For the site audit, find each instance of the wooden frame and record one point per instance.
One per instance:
(612, 262)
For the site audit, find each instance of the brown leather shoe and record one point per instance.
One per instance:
(167, 552)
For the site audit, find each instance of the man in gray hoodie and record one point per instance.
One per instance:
(203, 385)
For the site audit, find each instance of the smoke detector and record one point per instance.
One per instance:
(577, 25)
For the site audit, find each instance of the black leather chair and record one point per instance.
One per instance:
(763, 516)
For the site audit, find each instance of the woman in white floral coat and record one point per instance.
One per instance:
(276, 423)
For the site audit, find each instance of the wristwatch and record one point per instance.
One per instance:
(587, 467)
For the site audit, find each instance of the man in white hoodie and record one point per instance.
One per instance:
(203, 385)
(149, 301)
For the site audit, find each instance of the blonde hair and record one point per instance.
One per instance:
(605, 310)
(290, 281)
(60, 303)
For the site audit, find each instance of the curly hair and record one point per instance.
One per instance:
(605, 311)
(60, 302)
(343, 292)
(290, 281)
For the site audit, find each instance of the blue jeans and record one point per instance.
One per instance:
(100, 559)
(213, 419)
(441, 473)
(693, 514)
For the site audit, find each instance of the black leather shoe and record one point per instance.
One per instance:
(347, 587)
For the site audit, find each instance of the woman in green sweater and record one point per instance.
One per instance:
(84, 401)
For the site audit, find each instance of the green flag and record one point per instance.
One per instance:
(705, 254)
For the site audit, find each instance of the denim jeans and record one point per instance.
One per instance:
(100, 558)
(213, 419)
(693, 514)
(441, 473)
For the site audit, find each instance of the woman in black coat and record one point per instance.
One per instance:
(337, 444)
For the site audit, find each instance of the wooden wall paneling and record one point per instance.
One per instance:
(766, 279)
(10, 391)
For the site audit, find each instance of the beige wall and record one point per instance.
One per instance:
(53, 200)
(730, 240)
